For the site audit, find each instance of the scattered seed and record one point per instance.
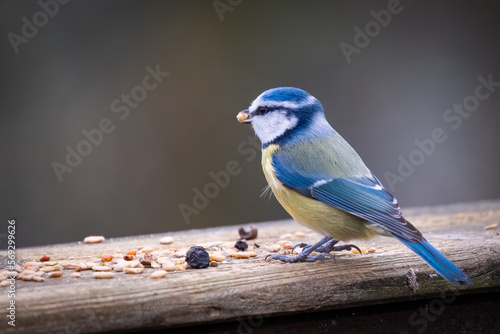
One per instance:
(32, 264)
(134, 270)
(491, 227)
(168, 266)
(248, 234)
(256, 245)
(55, 274)
(44, 258)
(18, 268)
(132, 253)
(101, 268)
(217, 257)
(78, 268)
(101, 274)
(147, 249)
(39, 278)
(179, 254)
(50, 263)
(76, 275)
(93, 239)
(197, 257)
(355, 251)
(180, 267)
(287, 245)
(372, 250)
(241, 245)
(166, 240)
(282, 242)
(128, 257)
(106, 257)
(47, 269)
(300, 234)
(244, 255)
(213, 264)
(158, 274)
(274, 248)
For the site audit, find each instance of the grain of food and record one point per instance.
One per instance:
(166, 240)
(491, 227)
(131, 253)
(158, 274)
(283, 241)
(47, 269)
(287, 245)
(197, 257)
(355, 251)
(243, 255)
(44, 258)
(213, 264)
(168, 266)
(128, 257)
(241, 117)
(38, 278)
(50, 263)
(93, 239)
(147, 249)
(55, 274)
(101, 268)
(76, 275)
(32, 264)
(106, 257)
(134, 270)
(241, 245)
(217, 257)
(103, 274)
(372, 250)
(274, 248)
(300, 234)
(180, 267)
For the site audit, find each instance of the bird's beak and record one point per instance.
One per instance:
(244, 117)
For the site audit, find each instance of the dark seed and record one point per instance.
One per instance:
(197, 257)
(241, 245)
(248, 234)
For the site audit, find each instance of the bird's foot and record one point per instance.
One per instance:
(302, 257)
(327, 247)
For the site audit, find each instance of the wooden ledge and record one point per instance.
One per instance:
(253, 287)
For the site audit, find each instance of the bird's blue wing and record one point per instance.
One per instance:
(364, 196)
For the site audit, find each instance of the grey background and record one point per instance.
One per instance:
(394, 91)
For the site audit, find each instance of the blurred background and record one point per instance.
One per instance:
(82, 62)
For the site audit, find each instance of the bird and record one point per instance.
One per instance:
(322, 182)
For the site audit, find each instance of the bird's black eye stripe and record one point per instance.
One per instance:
(262, 110)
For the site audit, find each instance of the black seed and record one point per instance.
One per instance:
(241, 245)
(248, 234)
(197, 257)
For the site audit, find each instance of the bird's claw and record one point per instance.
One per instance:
(299, 258)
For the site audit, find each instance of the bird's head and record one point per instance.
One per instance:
(283, 113)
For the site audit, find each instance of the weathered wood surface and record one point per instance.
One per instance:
(252, 287)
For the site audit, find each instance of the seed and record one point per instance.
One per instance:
(355, 251)
(44, 258)
(372, 250)
(128, 257)
(282, 242)
(241, 117)
(180, 267)
(76, 275)
(300, 234)
(55, 274)
(50, 263)
(38, 279)
(158, 274)
(491, 227)
(213, 264)
(166, 240)
(197, 257)
(168, 266)
(147, 250)
(217, 257)
(47, 269)
(101, 268)
(132, 253)
(134, 270)
(241, 245)
(248, 234)
(106, 257)
(274, 248)
(93, 239)
(32, 264)
(103, 274)
(287, 245)
(78, 268)
(243, 255)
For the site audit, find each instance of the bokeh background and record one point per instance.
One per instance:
(394, 91)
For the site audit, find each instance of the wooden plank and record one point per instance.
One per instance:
(252, 287)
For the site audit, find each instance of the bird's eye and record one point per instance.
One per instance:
(262, 110)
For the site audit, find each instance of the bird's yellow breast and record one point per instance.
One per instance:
(312, 213)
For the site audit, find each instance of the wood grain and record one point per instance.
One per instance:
(253, 287)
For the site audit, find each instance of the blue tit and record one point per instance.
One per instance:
(324, 185)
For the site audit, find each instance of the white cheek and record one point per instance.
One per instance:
(273, 125)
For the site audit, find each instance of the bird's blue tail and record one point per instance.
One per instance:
(438, 261)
